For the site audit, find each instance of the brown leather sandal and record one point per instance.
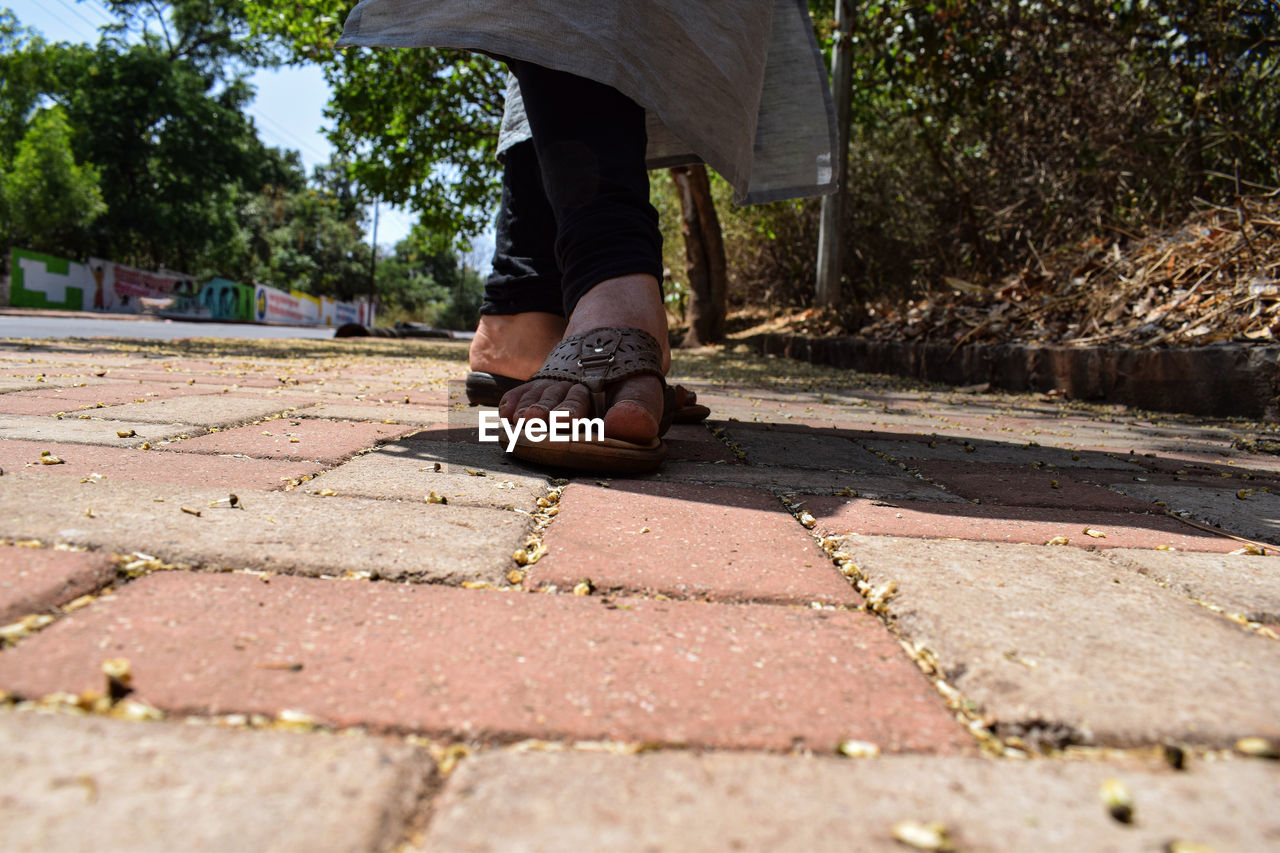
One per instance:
(598, 359)
(486, 389)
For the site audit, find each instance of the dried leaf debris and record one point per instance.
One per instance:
(1214, 278)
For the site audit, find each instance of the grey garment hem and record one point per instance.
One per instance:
(486, 43)
(770, 134)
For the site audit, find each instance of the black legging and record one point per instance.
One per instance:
(575, 200)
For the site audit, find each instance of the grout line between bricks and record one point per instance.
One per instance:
(877, 597)
(1239, 619)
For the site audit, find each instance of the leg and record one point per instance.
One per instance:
(522, 316)
(590, 143)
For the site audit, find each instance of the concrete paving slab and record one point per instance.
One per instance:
(86, 398)
(469, 475)
(301, 439)
(1255, 517)
(497, 665)
(11, 385)
(36, 580)
(1091, 435)
(374, 412)
(113, 392)
(1054, 642)
(90, 429)
(285, 532)
(39, 405)
(694, 443)
(209, 410)
(432, 397)
(686, 541)
(83, 783)
(1197, 468)
(840, 516)
(1245, 585)
(85, 460)
(206, 381)
(581, 801)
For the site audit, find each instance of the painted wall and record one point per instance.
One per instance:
(228, 300)
(276, 306)
(42, 281)
(125, 290)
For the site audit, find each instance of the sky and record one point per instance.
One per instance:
(288, 110)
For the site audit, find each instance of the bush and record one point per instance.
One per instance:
(987, 133)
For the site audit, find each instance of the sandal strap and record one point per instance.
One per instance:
(601, 357)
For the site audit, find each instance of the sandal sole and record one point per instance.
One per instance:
(608, 456)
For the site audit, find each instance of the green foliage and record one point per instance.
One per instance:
(24, 73)
(424, 280)
(419, 127)
(150, 125)
(175, 152)
(985, 132)
(160, 118)
(47, 199)
(213, 36)
(308, 238)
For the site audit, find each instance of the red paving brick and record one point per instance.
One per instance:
(205, 383)
(694, 443)
(81, 460)
(396, 412)
(986, 523)
(320, 440)
(87, 397)
(437, 399)
(26, 403)
(1024, 485)
(32, 580)
(716, 542)
(501, 665)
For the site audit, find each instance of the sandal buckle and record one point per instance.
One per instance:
(598, 351)
(595, 360)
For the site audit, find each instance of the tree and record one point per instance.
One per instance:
(24, 73)
(425, 280)
(174, 154)
(157, 109)
(418, 127)
(47, 199)
(704, 257)
(309, 236)
(212, 36)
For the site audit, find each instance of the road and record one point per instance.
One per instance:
(45, 326)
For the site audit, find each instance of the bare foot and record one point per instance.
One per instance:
(635, 404)
(515, 345)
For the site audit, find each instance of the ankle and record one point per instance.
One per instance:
(633, 300)
(514, 345)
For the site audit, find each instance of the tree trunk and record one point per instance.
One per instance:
(704, 256)
(830, 263)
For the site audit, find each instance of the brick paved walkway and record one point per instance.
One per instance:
(274, 596)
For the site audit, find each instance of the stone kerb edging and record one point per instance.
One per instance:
(1229, 380)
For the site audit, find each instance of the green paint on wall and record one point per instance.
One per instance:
(228, 300)
(22, 297)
